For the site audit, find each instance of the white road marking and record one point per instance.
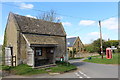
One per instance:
(78, 75)
(84, 74)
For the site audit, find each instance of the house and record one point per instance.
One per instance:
(33, 41)
(74, 43)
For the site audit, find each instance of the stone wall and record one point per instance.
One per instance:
(23, 49)
(86, 54)
(30, 55)
(11, 36)
(78, 45)
(61, 48)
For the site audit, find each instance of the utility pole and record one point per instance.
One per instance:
(101, 49)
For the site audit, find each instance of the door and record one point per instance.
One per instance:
(50, 54)
(8, 56)
(38, 54)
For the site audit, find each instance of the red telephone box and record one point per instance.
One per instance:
(108, 53)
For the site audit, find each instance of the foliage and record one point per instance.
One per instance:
(95, 45)
(71, 53)
(62, 63)
(7, 68)
(74, 52)
(89, 48)
(112, 43)
(118, 50)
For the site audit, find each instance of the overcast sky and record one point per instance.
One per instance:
(78, 18)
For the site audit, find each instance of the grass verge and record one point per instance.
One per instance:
(75, 58)
(98, 59)
(24, 69)
(62, 67)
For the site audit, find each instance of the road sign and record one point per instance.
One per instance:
(113, 47)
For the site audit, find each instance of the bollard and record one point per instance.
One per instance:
(89, 58)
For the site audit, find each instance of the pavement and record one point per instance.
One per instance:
(85, 70)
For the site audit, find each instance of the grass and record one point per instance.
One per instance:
(0, 58)
(62, 67)
(95, 56)
(98, 59)
(24, 69)
(0, 67)
(75, 58)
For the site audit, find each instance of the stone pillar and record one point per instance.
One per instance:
(54, 55)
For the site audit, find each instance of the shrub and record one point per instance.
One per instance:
(62, 63)
(7, 68)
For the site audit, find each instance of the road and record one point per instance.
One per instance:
(85, 70)
(93, 70)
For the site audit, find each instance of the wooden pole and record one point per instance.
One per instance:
(101, 49)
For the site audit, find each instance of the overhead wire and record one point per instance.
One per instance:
(75, 17)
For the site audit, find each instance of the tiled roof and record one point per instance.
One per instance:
(70, 41)
(39, 39)
(31, 25)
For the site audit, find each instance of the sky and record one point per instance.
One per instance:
(78, 18)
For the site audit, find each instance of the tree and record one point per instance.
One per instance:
(89, 48)
(48, 16)
(112, 43)
(74, 52)
(71, 52)
(96, 44)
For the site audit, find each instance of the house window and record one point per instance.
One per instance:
(78, 44)
(51, 51)
(39, 52)
(68, 43)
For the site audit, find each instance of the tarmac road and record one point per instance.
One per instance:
(85, 70)
(93, 70)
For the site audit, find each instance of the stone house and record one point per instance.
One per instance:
(33, 41)
(75, 43)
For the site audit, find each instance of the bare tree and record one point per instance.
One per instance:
(49, 16)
